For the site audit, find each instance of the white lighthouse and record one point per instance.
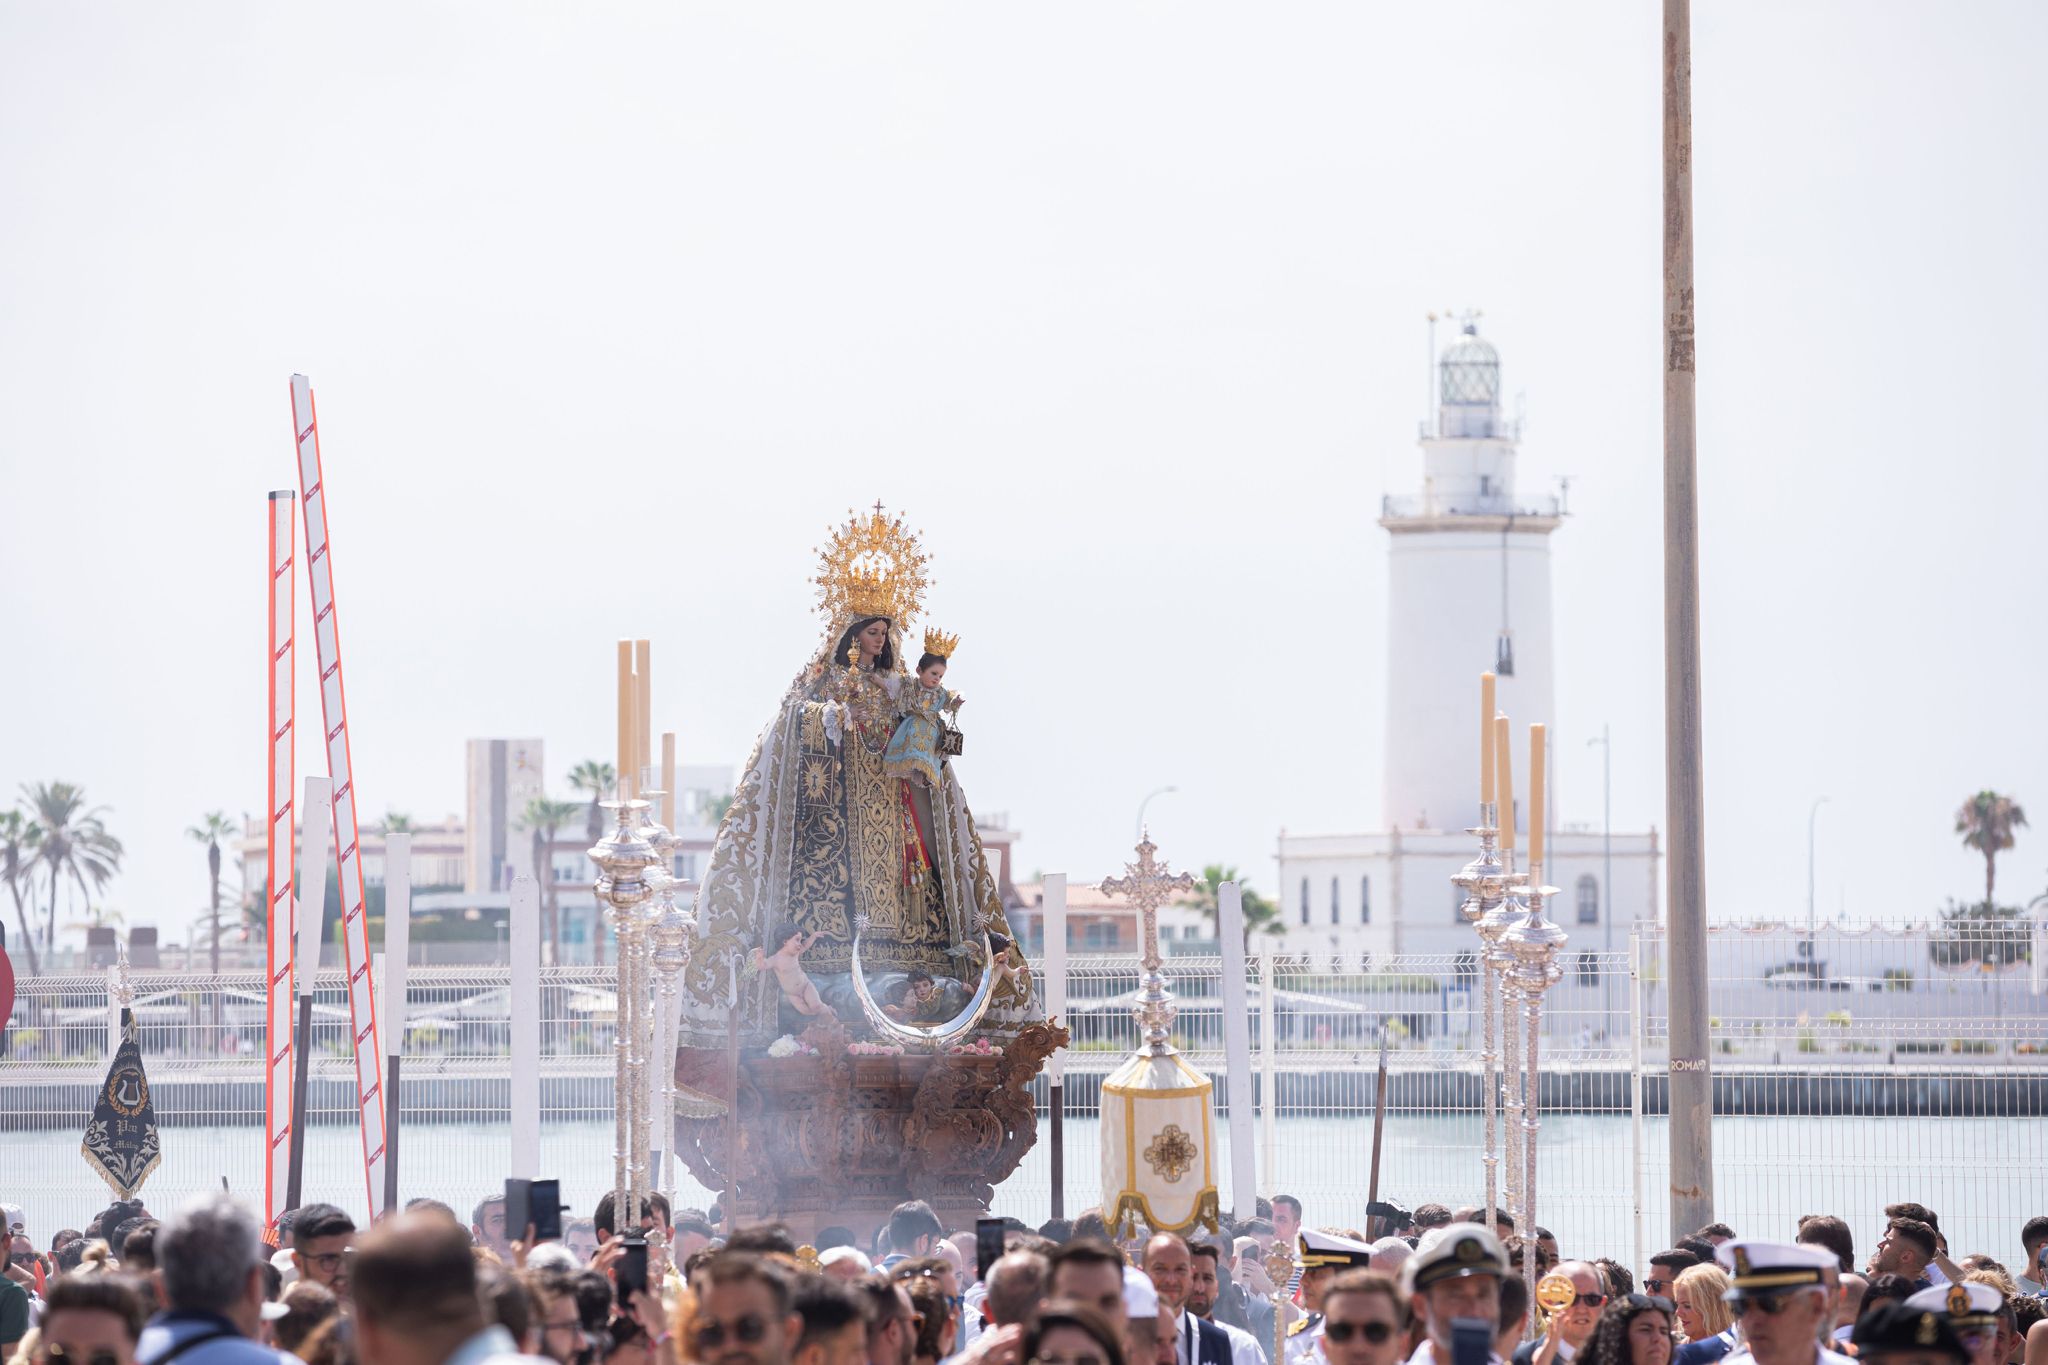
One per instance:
(1468, 589)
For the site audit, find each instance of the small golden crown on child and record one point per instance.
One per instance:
(937, 642)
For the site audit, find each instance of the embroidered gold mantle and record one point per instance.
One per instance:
(816, 839)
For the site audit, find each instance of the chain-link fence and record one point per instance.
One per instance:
(1852, 1069)
(1858, 1068)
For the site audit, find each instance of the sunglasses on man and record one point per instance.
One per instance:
(1770, 1305)
(747, 1330)
(1375, 1333)
(56, 1354)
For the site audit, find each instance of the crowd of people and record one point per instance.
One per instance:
(210, 1285)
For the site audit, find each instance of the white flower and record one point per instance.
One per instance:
(785, 1046)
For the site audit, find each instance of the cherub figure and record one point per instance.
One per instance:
(789, 973)
(1013, 974)
(918, 1000)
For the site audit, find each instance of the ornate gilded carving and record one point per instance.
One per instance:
(841, 1131)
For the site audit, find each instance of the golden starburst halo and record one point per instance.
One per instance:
(937, 642)
(871, 566)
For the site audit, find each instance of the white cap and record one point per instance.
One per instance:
(553, 1255)
(1393, 1249)
(1962, 1300)
(837, 1254)
(1755, 1266)
(1463, 1249)
(1141, 1300)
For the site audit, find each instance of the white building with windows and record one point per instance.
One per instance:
(1468, 588)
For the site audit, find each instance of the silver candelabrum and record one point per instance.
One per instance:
(1505, 1080)
(1485, 881)
(671, 934)
(1532, 946)
(632, 874)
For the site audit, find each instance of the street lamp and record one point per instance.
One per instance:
(1606, 865)
(1812, 952)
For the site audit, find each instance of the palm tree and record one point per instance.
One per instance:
(397, 822)
(1987, 821)
(595, 776)
(544, 816)
(98, 917)
(18, 838)
(211, 829)
(74, 842)
(1260, 914)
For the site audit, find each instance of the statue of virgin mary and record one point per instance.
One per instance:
(834, 886)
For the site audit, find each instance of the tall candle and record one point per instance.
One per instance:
(643, 706)
(1504, 781)
(627, 707)
(1536, 758)
(668, 779)
(1485, 739)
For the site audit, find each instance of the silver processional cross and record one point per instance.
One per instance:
(1148, 885)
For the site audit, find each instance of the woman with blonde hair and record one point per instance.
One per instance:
(1704, 1318)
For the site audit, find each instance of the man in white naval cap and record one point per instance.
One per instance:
(1456, 1273)
(1783, 1301)
(1323, 1255)
(1972, 1311)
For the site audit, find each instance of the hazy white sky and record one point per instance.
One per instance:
(612, 309)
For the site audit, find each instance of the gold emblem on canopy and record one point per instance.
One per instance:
(1171, 1152)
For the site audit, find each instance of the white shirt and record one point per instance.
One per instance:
(1741, 1356)
(1307, 1344)
(1244, 1347)
(1425, 1354)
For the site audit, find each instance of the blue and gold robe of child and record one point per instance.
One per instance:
(914, 748)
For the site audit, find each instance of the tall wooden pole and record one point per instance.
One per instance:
(1379, 1124)
(1691, 1082)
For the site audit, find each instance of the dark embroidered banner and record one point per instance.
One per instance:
(121, 1142)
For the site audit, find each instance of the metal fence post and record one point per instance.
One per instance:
(1636, 1022)
(1269, 1132)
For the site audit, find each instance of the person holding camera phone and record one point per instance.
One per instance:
(1453, 1281)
